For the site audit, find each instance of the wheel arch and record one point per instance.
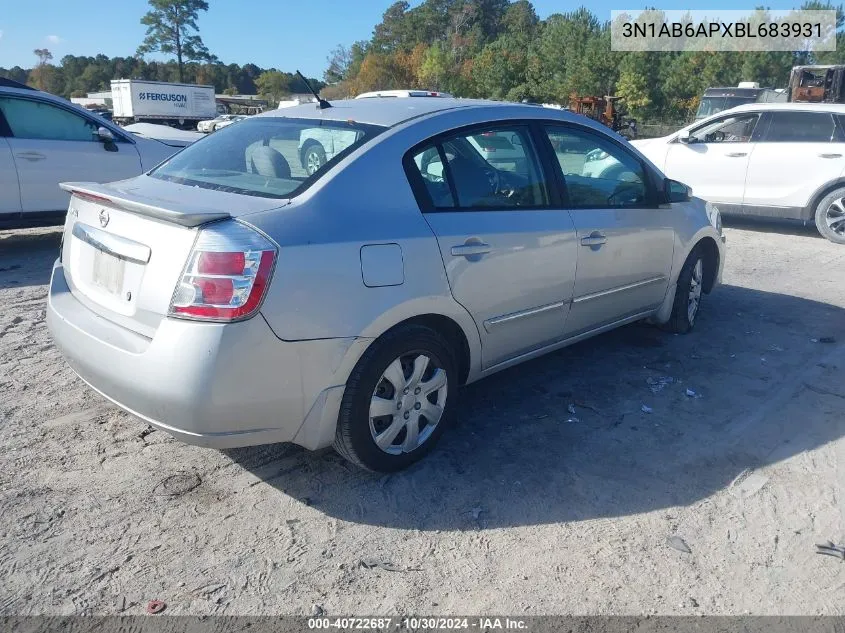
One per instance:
(712, 260)
(449, 319)
(452, 332)
(809, 212)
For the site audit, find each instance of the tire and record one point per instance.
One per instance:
(830, 216)
(313, 158)
(369, 386)
(690, 282)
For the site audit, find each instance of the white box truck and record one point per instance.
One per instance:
(178, 105)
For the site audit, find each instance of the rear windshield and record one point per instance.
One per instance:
(269, 157)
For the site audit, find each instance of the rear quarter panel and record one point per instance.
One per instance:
(318, 290)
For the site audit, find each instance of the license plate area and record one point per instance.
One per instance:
(108, 272)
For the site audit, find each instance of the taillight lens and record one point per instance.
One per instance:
(226, 276)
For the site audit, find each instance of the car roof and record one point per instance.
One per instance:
(27, 91)
(389, 112)
(402, 93)
(835, 108)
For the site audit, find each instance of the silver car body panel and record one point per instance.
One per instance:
(355, 258)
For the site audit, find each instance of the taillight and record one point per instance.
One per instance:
(226, 276)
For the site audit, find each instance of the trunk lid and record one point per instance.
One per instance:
(126, 243)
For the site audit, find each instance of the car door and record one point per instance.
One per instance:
(508, 247)
(10, 194)
(713, 158)
(797, 154)
(625, 238)
(52, 144)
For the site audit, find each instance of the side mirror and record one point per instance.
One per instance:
(676, 191)
(687, 140)
(105, 135)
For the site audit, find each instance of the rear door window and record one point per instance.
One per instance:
(801, 127)
(484, 169)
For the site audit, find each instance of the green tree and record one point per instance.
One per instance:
(41, 72)
(434, 68)
(520, 18)
(172, 30)
(393, 30)
(274, 85)
(562, 48)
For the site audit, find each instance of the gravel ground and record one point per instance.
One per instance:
(525, 508)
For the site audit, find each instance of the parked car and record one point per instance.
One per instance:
(776, 160)
(499, 149)
(211, 124)
(319, 145)
(230, 302)
(164, 133)
(45, 140)
(227, 122)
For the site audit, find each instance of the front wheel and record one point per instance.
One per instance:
(397, 400)
(830, 216)
(687, 295)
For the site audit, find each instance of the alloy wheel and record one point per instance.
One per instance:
(835, 216)
(313, 163)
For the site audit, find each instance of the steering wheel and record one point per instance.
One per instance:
(626, 189)
(494, 178)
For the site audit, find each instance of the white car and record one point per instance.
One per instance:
(502, 149)
(227, 122)
(211, 124)
(777, 160)
(45, 140)
(170, 135)
(317, 146)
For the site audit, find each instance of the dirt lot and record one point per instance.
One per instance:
(525, 508)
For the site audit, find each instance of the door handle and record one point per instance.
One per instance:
(830, 155)
(33, 156)
(468, 250)
(594, 239)
(736, 154)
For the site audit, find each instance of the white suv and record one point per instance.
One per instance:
(778, 160)
(45, 140)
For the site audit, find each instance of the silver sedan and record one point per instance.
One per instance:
(231, 297)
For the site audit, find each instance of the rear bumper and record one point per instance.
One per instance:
(209, 384)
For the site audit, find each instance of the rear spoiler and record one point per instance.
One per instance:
(108, 196)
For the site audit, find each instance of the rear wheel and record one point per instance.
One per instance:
(398, 400)
(687, 295)
(830, 216)
(313, 158)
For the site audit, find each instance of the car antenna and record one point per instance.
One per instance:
(322, 104)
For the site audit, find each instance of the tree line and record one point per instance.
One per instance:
(76, 76)
(501, 50)
(498, 49)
